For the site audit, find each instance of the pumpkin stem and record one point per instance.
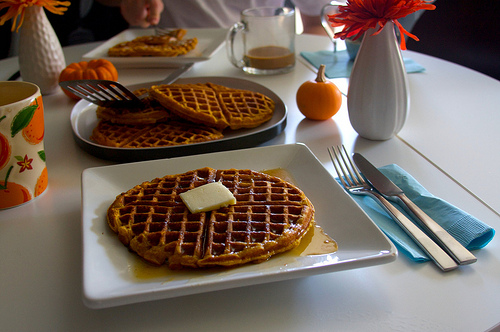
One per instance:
(321, 74)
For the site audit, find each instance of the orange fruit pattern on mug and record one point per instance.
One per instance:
(13, 195)
(33, 133)
(41, 183)
(5, 151)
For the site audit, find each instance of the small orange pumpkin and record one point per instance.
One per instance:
(319, 99)
(99, 69)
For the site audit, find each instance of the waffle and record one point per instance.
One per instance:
(244, 108)
(153, 135)
(152, 112)
(270, 216)
(215, 105)
(193, 102)
(169, 45)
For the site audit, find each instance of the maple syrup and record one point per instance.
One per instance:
(315, 242)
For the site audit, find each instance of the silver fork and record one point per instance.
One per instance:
(113, 94)
(354, 183)
(162, 31)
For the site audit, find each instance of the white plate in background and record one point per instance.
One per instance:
(209, 41)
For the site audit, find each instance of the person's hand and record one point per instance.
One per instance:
(141, 13)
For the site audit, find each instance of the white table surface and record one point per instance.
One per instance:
(448, 144)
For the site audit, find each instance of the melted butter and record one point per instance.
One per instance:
(315, 242)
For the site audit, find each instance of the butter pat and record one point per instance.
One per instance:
(210, 196)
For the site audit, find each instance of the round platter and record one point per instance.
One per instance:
(84, 120)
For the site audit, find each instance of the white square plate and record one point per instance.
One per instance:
(209, 41)
(110, 271)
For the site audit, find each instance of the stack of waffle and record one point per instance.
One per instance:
(167, 45)
(175, 114)
(147, 127)
(270, 216)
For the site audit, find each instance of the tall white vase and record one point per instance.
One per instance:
(378, 96)
(41, 58)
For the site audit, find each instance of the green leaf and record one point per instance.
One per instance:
(22, 119)
(41, 154)
(4, 186)
(19, 158)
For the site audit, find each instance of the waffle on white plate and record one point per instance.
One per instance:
(171, 44)
(270, 216)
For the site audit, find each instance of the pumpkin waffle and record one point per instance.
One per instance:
(194, 102)
(244, 108)
(215, 105)
(270, 216)
(153, 135)
(169, 45)
(152, 112)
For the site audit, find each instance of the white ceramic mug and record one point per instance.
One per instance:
(268, 40)
(23, 172)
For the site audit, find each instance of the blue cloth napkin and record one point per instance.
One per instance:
(469, 231)
(338, 63)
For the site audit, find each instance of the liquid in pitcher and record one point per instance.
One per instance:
(269, 57)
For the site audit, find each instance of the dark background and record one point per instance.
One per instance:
(101, 23)
(462, 31)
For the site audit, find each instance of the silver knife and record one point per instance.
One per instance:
(177, 72)
(386, 187)
(172, 76)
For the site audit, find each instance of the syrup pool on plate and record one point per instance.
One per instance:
(315, 242)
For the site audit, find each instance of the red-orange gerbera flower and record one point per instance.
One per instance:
(360, 15)
(16, 8)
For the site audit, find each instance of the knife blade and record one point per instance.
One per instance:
(176, 73)
(386, 187)
(172, 76)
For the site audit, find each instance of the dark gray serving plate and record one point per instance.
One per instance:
(84, 120)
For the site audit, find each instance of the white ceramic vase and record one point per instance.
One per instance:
(378, 96)
(41, 58)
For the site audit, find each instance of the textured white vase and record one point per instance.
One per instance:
(378, 96)
(41, 58)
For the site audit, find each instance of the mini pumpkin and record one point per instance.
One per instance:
(99, 69)
(319, 99)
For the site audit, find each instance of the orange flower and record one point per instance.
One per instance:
(360, 15)
(17, 7)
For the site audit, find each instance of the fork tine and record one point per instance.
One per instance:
(162, 31)
(333, 157)
(346, 170)
(95, 91)
(104, 93)
(357, 177)
(343, 154)
(120, 93)
(338, 159)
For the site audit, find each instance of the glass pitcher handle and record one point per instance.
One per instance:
(233, 31)
(330, 8)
